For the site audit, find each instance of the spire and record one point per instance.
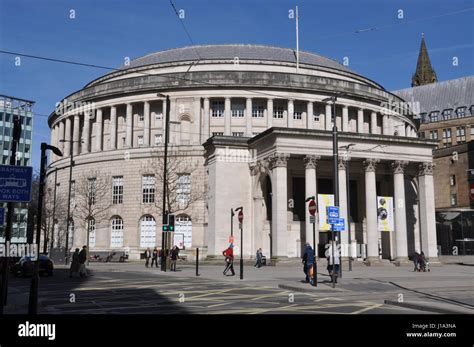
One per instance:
(424, 71)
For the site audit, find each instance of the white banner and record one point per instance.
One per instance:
(385, 213)
(324, 200)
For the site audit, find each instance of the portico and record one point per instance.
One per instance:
(284, 166)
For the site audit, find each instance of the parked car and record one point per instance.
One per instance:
(25, 266)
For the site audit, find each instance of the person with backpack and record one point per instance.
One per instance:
(229, 259)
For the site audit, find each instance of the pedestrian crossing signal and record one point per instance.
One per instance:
(171, 222)
(166, 227)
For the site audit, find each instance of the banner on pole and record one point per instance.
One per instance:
(385, 213)
(324, 200)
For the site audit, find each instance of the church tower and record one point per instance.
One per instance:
(424, 71)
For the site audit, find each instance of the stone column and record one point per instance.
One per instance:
(227, 116)
(146, 124)
(385, 126)
(328, 116)
(401, 243)
(427, 210)
(76, 135)
(248, 117)
(309, 116)
(113, 127)
(343, 205)
(53, 140)
(129, 124)
(61, 137)
(291, 113)
(278, 164)
(345, 118)
(371, 210)
(86, 132)
(67, 137)
(269, 113)
(391, 127)
(311, 164)
(360, 121)
(206, 120)
(197, 121)
(98, 130)
(373, 123)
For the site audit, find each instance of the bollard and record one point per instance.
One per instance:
(197, 261)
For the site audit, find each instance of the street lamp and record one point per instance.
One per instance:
(68, 221)
(241, 210)
(33, 302)
(347, 157)
(165, 162)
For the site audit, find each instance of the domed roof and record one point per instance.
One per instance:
(231, 51)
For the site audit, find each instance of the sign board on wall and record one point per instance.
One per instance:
(385, 213)
(324, 200)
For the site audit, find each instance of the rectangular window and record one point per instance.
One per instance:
(117, 189)
(140, 141)
(472, 132)
(452, 180)
(278, 111)
(217, 108)
(91, 188)
(434, 116)
(258, 111)
(460, 134)
(238, 110)
(454, 200)
(148, 189)
(238, 134)
(217, 134)
(158, 139)
(141, 117)
(434, 134)
(158, 115)
(447, 114)
(316, 117)
(298, 115)
(183, 189)
(447, 140)
(461, 112)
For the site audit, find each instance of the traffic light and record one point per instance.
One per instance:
(171, 222)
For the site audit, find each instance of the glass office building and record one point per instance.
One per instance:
(11, 107)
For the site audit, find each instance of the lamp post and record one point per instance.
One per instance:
(241, 224)
(347, 157)
(33, 301)
(165, 164)
(68, 220)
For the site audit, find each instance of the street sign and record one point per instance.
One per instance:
(312, 219)
(338, 227)
(2, 216)
(312, 207)
(333, 212)
(472, 191)
(241, 216)
(336, 220)
(15, 183)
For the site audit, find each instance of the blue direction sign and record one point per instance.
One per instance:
(340, 225)
(335, 220)
(2, 216)
(15, 183)
(333, 212)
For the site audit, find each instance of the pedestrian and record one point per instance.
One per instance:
(416, 259)
(154, 259)
(174, 257)
(258, 258)
(229, 259)
(308, 261)
(161, 255)
(333, 261)
(422, 262)
(75, 265)
(82, 261)
(147, 257)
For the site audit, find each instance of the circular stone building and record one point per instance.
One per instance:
(248, 127)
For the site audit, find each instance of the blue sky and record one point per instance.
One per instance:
(104, 32)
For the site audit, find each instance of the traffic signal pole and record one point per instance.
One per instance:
(165, 168)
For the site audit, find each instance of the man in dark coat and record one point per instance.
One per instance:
(308, 260)
(82, 261)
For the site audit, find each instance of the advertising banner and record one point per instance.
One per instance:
(385, 213)
(324, 200)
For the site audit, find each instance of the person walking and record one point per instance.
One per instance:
(75, 265)
(333, 262)
(174, 257)
(229, 259)
(258, 258)
(82, 261)
(308, 261)
(147, 257)
(154, 259)
(416, 260)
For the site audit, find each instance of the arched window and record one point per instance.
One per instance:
(183, 235)
(147, 231)
(116, 232)
(91, 233)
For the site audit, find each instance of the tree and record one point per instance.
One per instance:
(92, 199)
(181, 171)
